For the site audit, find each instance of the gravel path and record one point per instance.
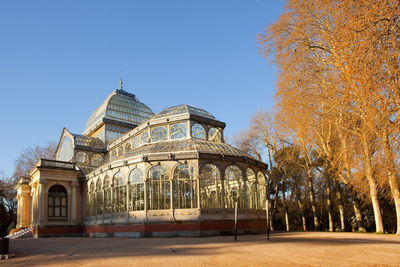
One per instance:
(284, 249)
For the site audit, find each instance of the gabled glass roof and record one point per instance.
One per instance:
(119, 106)
(83, 140)
(182, 109)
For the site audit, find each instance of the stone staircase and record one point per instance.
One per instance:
(24, 233)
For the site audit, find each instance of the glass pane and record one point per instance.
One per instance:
(158, 134)
(144, 138)
(64, 212)
(178, 131)
(57, 211)
(136, 176)
(214, 135)
(198, 131)
(210, 187)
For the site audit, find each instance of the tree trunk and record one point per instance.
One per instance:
(285, 206)
(372, 184)
(329, 204)
(312, 200)
(394, 185)
(357, 212)
(341, 206)
(301, 207)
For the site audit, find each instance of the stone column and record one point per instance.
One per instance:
(32, 206)
(41, 206)
(74, 208)
(26, 209)
(18, 212)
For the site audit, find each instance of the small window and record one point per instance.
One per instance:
(144, 138)
(97, 160)
(57, 204)
(198, 131)
(178, 131)
(159, 134)
(81, 157)
(214, 135)
(135, 142)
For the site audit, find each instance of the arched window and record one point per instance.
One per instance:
(233, 186)
(198, 131)
(210, 187)
(128, 147)
(214, 135)
(119, 193)
(136, 190)
(178, 131)
(81, 157)
(92, 198)
(262, 189)
(107, 195)
(97, 160)
(135, 142)
(158, 189)
(184, 188)
(57, 202)
(159, 134)
(144, 139)
(252, 190)
(99, 197)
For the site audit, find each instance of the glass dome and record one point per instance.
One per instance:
(182, 109)
(119, 106)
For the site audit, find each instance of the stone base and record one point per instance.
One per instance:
(176, 229)
(57, 231)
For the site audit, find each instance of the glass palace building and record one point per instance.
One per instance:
(135, 174)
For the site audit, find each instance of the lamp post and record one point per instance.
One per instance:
(236, 215)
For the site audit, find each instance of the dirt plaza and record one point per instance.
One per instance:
(283, 249)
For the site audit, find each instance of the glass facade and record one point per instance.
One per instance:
(158, 189)
(136, 190)
(199, 172)
(184, 188)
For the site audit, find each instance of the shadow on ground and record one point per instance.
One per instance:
(57, 250)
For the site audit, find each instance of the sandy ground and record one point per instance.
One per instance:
(284, 249)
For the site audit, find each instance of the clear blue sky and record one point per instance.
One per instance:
(60, 59)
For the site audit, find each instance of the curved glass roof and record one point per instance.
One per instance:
(182, 109)
(119, 106)
(188, 145)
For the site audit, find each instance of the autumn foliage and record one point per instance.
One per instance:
(338, 100)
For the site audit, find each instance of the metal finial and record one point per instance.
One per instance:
(120, 83)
